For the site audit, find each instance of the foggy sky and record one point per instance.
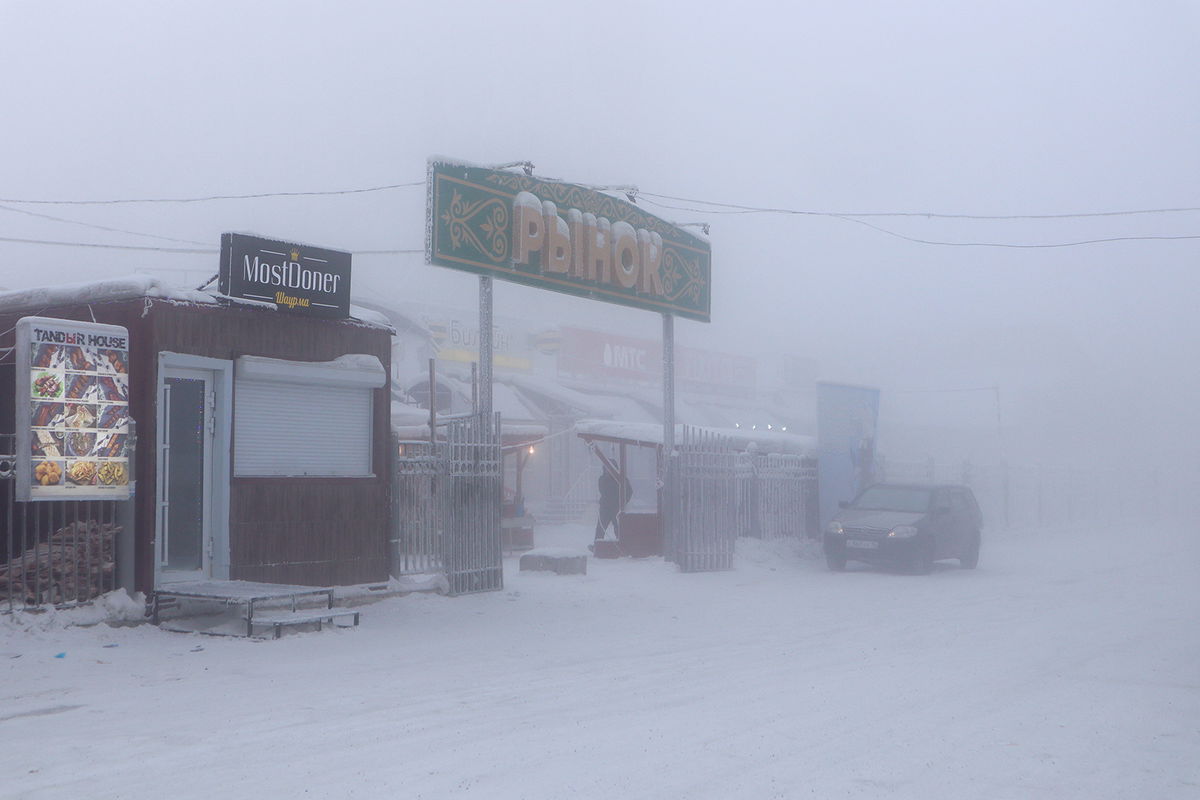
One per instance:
(971, 108)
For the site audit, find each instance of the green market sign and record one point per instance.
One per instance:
(566, 238)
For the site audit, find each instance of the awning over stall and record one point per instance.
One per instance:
(645, 435)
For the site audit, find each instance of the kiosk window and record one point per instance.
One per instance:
(302, 419)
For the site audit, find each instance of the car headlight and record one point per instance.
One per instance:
(902, 532)
(835, 528)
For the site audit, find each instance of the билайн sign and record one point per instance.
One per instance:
(295, 277)
(564, 237)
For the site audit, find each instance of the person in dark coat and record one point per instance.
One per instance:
(614, 494)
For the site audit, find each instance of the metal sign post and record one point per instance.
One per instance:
(668, 492)
(485, 346)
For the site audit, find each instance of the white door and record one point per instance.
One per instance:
(187, 417)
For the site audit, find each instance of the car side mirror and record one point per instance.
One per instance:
(843, 503)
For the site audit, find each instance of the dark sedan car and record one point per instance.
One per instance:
(906, 525)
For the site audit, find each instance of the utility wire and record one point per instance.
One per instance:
(735, 208)
(714, 207)
(111, 246)
(97, 227)
(385, 252)
(204, 251)
(729, 208)
(852, 217)
(1018, 246)
(212, 197)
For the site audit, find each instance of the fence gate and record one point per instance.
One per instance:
(472, 543)
(418, 517)
(446, 506)
(704, 520)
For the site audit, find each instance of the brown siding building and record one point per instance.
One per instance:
(313, 526)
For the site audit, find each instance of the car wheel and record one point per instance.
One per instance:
(835, 561)
(922, 558)
(970, 557)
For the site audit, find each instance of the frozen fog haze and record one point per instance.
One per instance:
(1065, 666)
(1013, 109)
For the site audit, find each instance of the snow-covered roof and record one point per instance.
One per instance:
(353, 369)
(504, 399)
(401, 321)
(652, 434)
(127, 287)
(412, 423)
(132, 287)
(589, 404)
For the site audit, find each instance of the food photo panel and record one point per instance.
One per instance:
(81, 473)
(113, 418)
(113, 388)
(111, 362)
(48, 384)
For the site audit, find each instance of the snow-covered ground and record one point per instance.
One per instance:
(1066, 666)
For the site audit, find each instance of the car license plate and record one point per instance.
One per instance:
(861, 545)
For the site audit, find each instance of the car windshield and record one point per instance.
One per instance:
(894, 498)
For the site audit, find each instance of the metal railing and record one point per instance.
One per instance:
(446, 506)
(702, 525)
(718, 494)
(776, 496)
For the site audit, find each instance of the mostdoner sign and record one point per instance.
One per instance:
(295, 277)
(564, 237)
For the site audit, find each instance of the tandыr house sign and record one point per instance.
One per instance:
(566, 238)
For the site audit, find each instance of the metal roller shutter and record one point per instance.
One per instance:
(295, 429)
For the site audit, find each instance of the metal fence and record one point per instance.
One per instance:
(703, 493)
(1026, 496)
(776, 496)
(446, 506)
(417, 512)
(54, 553)
(715, 494)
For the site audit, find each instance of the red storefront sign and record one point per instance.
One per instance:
(603, 357)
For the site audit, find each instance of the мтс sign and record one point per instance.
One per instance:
(564, 237)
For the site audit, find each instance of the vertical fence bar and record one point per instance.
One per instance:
(10, 497)
(37, 572)
(73, 526)
(22, 546)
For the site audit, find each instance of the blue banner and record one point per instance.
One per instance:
(846, 424)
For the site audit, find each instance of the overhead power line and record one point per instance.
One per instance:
(736, 208)
(653, 198)
(1018, 246)
(714, 206)
(97, 227)
(917, 240)
(110, 246)
(191, 250)
(212, 197)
